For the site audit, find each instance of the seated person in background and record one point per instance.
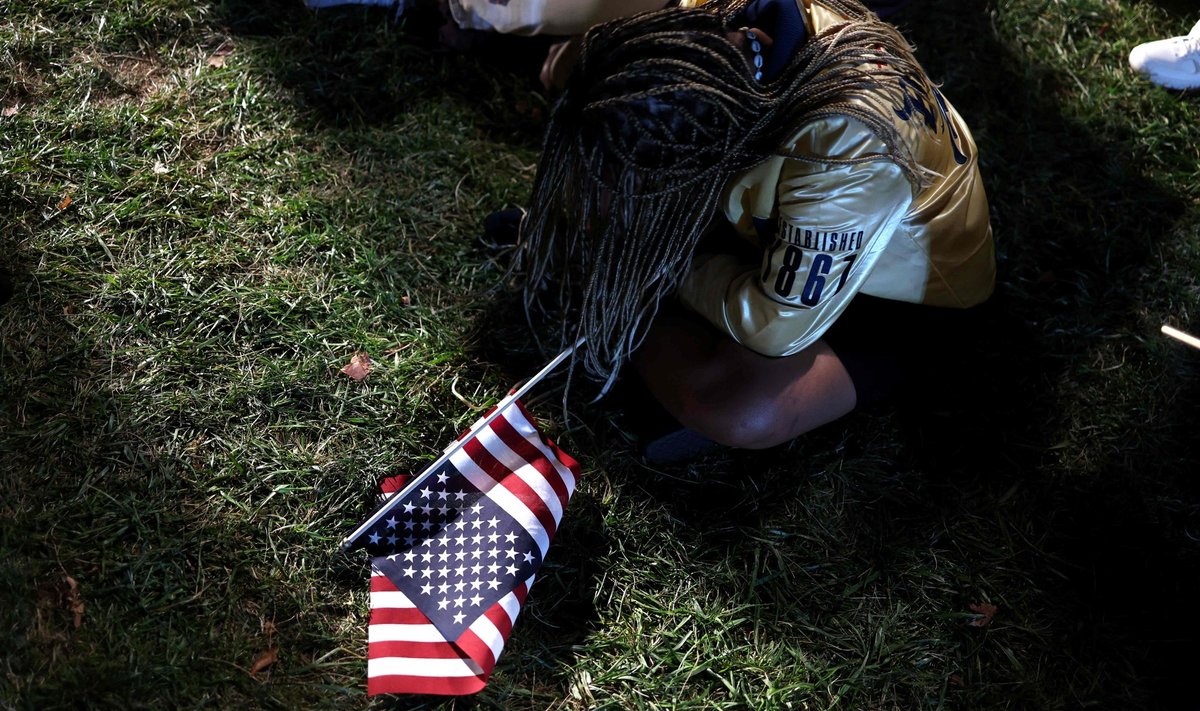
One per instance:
(571, 18)
(766, 208)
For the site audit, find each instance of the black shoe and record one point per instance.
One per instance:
(678, 446)
(659, 436)
(502, 228)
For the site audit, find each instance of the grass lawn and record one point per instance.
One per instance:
(207, 208)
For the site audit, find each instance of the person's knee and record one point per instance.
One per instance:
(734, 396)
(749, 429)
(720, 412)
(730, 405)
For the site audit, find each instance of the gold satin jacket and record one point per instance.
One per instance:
(844, 229)
(837, 230)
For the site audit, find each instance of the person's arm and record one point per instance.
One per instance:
(833, 223)
(545, 17)
(560, 61)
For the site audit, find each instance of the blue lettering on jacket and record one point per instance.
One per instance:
(932, 111)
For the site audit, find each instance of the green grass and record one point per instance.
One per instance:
(257, 193)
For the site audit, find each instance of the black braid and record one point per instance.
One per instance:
(661, 110)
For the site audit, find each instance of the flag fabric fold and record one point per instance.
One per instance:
(453, 559)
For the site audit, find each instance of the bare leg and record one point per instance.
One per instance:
(733, 395)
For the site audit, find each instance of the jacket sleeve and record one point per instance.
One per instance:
(833, 221)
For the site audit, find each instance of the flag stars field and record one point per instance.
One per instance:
(471, 615)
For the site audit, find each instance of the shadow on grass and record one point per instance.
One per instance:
(354, 65)
(1079, 424)
(1184, 10)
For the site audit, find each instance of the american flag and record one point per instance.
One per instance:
(453, 559)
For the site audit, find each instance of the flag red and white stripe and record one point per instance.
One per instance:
(531, 480)
(408, 655)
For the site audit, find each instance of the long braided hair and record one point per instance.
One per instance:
(660, 111)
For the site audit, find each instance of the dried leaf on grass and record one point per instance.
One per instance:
(264, 660)
(217, 58)
(56, 594)
(985, 610)
(74, 601)
(11, 110)
(359, 366)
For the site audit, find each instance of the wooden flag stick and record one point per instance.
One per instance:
(1180, 335)
(349, 541)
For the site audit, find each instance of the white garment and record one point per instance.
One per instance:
(544, 17)
(1173, 62)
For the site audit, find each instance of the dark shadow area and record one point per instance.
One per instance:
(43, 361)
(1078, 230)
(1185, 10)
(354, 65)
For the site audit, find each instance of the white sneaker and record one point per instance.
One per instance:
(1173, 63)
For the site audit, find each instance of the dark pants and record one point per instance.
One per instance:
(883, 8)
